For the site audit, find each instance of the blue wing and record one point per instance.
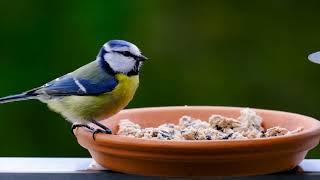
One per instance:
(68, 85)
(87, 80)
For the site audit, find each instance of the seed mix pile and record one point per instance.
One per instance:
(247, 126)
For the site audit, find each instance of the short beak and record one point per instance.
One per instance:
(142, 58)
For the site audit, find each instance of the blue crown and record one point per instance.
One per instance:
(118, 43)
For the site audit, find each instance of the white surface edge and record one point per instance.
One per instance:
(73, 165)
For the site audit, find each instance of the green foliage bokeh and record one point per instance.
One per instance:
(230, 53)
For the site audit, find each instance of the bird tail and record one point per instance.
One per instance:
(17, 97)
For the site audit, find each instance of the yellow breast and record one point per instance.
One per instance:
(120, 97)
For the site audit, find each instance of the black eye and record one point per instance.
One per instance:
(126, 53)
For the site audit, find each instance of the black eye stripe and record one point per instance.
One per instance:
(127, 54)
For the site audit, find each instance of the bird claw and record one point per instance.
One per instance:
(105, 131)
(75, 126)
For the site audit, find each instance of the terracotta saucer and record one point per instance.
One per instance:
(201, 158)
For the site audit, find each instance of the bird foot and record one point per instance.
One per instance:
(105, 131)
(74, 126)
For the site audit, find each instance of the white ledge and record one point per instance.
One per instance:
(43, 165)
(87, 169)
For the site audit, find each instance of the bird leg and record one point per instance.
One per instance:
(104, 129)
(74, 126)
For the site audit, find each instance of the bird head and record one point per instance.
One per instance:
(122, 57)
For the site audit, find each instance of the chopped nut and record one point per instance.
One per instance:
(189, 133)
(276, 131)
(220, 122)
(128, 128)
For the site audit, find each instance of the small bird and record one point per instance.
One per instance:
(95, 91)
(315, 57)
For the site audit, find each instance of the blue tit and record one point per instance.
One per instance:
(95, 91)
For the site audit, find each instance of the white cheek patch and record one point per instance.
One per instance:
(120, 63)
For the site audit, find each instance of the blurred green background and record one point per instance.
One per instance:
(230, 53)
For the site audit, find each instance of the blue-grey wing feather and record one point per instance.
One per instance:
(87, 80)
